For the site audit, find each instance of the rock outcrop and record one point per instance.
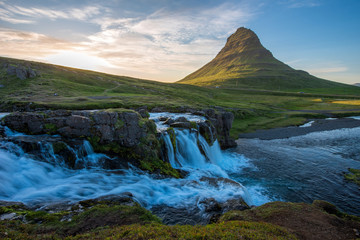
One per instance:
(119, 133)
(221, 121)
(20, 71)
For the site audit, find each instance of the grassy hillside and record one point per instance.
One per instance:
(57, 87)
(245, 63)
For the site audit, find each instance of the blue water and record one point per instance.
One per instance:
(303, 168)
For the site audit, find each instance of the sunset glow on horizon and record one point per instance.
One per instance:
(167, 40)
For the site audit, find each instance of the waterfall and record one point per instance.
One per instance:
(24, 178)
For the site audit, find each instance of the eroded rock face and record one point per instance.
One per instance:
(121, 133)
(222, 122)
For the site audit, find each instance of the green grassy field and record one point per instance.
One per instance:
(59, 87)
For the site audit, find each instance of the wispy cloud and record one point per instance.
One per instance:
(300, 3)
(17, 14)
(173, 41)
(164, 45)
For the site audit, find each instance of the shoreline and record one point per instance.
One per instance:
(318, 125)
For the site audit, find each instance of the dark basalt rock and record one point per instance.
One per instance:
(120, 133)
(181, 119)
(222, 122)
(181, 125)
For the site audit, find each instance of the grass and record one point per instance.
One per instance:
(66, 88)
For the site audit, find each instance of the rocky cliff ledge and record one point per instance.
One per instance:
(120, 133)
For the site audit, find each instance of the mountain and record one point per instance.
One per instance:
(245, 63)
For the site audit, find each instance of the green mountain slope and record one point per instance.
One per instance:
(245, 63)
(63, 87)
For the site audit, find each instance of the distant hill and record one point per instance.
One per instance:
(245, 63)
(357, 84)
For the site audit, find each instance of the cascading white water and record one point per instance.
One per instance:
(30, 181)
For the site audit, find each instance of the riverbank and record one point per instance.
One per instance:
(317, 125)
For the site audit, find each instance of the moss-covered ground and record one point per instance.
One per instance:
(100, 221)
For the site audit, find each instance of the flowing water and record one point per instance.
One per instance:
(303, 168)
(297, 169)
(34, 182)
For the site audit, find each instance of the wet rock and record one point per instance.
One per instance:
(169, 121)
(217, 182)
(122, 134)
(210, 205)
(2, 131)
(208, 131)
(181, 119)
(222, 121)
(163, 119)
(181, 125)
(234, 204)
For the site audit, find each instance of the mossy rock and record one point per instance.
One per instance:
(353, 176)
(172, 136)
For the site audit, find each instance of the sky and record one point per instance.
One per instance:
(165, 40)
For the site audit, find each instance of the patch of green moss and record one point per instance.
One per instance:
(50, 128)
(158, 166)
(353, 176)
(193, 124)
(59, 147)
(119, 123)
(142, 122)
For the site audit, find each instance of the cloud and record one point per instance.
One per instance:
(19, 44)
(300, 3)
(165, 45)
(168, 41)
(21, 15)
